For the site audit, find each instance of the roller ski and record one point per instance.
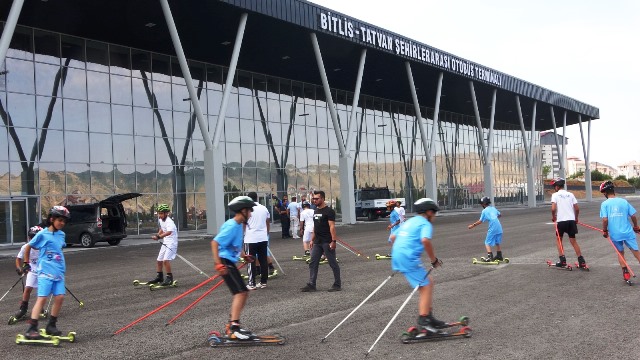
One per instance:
(322, 261)
(272, 274)
(167, 283)
(559, 265)
(217, 340)
(383, 257)
(21, 340)
(22, 314)
(304, 257)
(70, 337)
(437, 330)
(157, 280)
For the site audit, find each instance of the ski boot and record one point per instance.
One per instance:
(158, 279)
(431, 324)
(307, 253)
(32, 332)
(235, 332)
(20, 314)
(488, 259)
(167, 283)
(562, 263)
(581, 264)
(51, 328)
(626, 275)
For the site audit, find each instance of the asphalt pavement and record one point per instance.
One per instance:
(520, 310)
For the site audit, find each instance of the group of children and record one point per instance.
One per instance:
(42, 260)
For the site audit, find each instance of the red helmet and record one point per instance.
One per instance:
(59, 211)
(557, 182)
(606, 186)
(33, 231)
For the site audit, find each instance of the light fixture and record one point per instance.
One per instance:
(150, 24)
(378, 79)
(305, 114)
(286, 57)
(337, 69)
(225, 43)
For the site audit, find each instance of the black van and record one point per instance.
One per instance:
(101, 221)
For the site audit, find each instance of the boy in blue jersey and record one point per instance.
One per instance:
(409, 242)
(226, 248)
(394, 220)
(615, 213)
(494, 232)
(51, 270)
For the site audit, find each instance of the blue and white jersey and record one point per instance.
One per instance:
(491, 215)
(393, 218)
(51, 262)
(617, 212)
(229, 240)
(408, 244)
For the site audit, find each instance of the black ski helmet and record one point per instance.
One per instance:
(241, 202)
(606, 186)
(485, 201)
(305, 204)
(557, 182)
(425, 204)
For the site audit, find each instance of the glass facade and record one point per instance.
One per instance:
(84, 120)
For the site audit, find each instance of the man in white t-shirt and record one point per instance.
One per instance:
(401, 212)
(306, 222)
(256, 240)
(564, 213)
(168, 233)
(293, 210)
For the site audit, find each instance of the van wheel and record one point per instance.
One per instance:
(114, 242)
(86, 240)
(371, 216)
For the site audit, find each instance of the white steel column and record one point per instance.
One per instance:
(216, 204)
(9, 28)
(555, 138)
(431, 185)
(586, 151)
(564, 144)
(345, 165)
(486, 148)
(531, 191)
(428, 176)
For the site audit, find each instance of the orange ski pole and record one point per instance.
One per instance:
(614, 247)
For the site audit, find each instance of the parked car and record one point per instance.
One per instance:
(98, 222)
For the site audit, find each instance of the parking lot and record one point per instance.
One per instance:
(522, 310)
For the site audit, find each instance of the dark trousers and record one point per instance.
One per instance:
(286, 224)
(316, 253)
(259, 250)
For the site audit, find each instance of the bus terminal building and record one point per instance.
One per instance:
(192, 103)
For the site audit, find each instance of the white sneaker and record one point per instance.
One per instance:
(261, 285)
(252, 287)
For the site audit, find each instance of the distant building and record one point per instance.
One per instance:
(550, 153)
(604, 168)
(575, 165)
(630, 169)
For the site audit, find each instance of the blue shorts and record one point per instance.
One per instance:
(413, 271)
(631, 244)
(493, 240)
(48, 286)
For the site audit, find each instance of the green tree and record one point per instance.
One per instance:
(621, 177)
(578, 175)
(546, 170)
(598, 176)
(635, 182)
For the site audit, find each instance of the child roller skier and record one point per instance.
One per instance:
(226, 248)
(615, 213)
(564, 212)
(51, 269)
(394, 220)
(168, 233)
(409, 242)
(494, 232)
(32, 276)
(306, 226)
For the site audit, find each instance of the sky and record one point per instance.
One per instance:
(588, 50)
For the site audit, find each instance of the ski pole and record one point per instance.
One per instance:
(276, 260)
(198, 299)
(49, 304)
(80, 303)
(559, 239)
(396, 314)
(167, 304)
(351, 251)
(614, 247)
(186, 261)
(349, 247)
(11, 288)
(357, 307)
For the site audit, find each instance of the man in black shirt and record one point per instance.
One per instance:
(323, 241)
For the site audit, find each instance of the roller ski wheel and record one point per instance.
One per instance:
(483, 261)
(551, 264)
(217, 340)
(141, 283)
(583, 268)
(505, 260)
(154, 287)
(70, 337)
(413, 334)
(14, 320)
(22, 340)
(304, 257)
(383, 257)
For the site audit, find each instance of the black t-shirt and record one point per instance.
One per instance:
(321, 218)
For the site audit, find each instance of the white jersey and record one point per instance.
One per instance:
(256, 230)
(564, 202)
(166, 226)
(307, 216)
(401, 212)
(33, 257)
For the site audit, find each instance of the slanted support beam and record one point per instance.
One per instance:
(586, 150)
(558, 149)
(486, 147)
(431, 185)
(531, 190)
(9, 28)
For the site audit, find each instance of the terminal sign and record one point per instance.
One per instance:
(346, 27)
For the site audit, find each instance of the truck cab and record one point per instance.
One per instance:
(372, 202)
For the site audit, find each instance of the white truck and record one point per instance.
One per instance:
(372, 202)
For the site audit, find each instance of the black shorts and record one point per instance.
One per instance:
(569, 227)
(233, 279)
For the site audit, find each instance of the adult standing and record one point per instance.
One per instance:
(256, 240)
(284, 217)
(293, 210)
(564, 212)
(323, 241)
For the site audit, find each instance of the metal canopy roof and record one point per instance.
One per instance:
(276, 42)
